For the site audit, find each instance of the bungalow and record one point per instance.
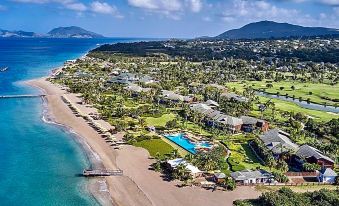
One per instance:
(327, 175)
(252, 177)
(251, 123)
(278, 142)
(194, 171)
(172, 96)
(147, 80)
(124, 78)
(211, 103)
(223, 89)
(234, 97)
(216, 118)
(219, 177)
(312, 155)
(136, 88)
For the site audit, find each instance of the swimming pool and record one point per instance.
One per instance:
(185, 143)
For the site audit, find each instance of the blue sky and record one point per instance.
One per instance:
(162, 18)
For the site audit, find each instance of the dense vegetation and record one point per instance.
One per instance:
(198, 50)
(286, 197)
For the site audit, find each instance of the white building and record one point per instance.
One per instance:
(327, 175)
(194, 171)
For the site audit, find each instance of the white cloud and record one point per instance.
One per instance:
(336, 11)
(173, 9)
(105, 8)
(76, 7)
(196, 5)
(164, 5)
(256, 10)
(330, 2)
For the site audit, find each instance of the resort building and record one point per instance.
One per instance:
(278, 142)
(219, 177)
(251, 123)
(172, 96)
(234, 97)
(194, 171)
(216, 118)
(312, 155)
(136, 88)
(252, 177)
(327, 175)
(212, 103)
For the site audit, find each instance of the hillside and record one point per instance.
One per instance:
(270, 29)
(72, 32)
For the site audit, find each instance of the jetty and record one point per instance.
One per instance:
(22, 96)
(101, 172)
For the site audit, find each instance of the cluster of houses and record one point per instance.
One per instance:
(279, 143)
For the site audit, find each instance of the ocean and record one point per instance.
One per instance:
(39, 162)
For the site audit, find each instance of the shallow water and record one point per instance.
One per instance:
(39, 162)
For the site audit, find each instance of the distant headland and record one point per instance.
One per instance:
(60, 32)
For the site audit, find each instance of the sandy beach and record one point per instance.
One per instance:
(139, 185)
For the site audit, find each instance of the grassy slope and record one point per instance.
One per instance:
(155, 145)
(160, 121)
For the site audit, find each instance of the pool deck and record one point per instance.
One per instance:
(171, 142)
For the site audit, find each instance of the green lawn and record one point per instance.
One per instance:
(155, 145)
(242, 157)
(320, 92)
(160, 121)
(289, 106)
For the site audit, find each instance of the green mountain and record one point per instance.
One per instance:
(271, 29)
(72, 32)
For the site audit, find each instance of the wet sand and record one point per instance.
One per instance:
(139, 185)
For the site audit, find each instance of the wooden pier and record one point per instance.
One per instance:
(101, 172)
(22, 96)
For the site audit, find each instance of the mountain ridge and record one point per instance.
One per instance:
(271, 29)
(59, 32)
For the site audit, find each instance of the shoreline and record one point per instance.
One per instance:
(139, 185)
(106, 190)
(93, 185)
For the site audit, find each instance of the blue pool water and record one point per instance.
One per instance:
(185, 143)
(39, 162)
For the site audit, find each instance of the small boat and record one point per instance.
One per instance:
(3, 69)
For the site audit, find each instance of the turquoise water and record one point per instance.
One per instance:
(39, 162)
(185, 143)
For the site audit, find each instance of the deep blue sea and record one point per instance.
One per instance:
(39, 162)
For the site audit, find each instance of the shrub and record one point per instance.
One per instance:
(280, 177)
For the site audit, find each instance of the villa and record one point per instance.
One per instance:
(278, 142)
(136, 88)
(194, 171)
(312, 155)
(235, 97)
(211, 103)
(216, 118)
(172, 96)
(252, 177)
(251, 123)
